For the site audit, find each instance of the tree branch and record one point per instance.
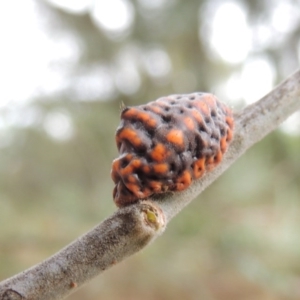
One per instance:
(131, 228)
(251, 124)
(124, 233)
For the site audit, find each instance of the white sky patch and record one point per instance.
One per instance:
(254, 81)
(257, 79)
(228, 33)
(59, 126)
(127, 79)
(233, 87)
(65, 53)
(113, 15)
(264, 36)
(15, 116)
(18, 51)
(285, 16)
(30, 60)
(157, 63)
(292, 125)
(95, 83)
(298, 51)
(127, 76)
(72, 6)
(153, 4)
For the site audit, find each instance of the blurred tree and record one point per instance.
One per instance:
(57, 142)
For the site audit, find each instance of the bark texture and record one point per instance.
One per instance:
(131, 228)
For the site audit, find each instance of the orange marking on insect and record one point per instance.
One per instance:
(218, 157)
(154, 146)
(129, 156)
(160, 168)
(130, 135)
(156, 186)
(114, 172)
(199, 167)
(183, 181)
(130, 113)
(229, 135)
(197, 115)
(156, 109)
(229, 121)
(151, 122)
(139, 115)
(134, 188)
(210, 163)
(132, 179)
(146, 118)
(73, 285)
(175, 136)
(223, 144)
(136, 163)
(204, 144)
(159, 153)
(189, 123)
(126, 171)
(146, 169)
(144, 193)
(210, 100)
(203, 107)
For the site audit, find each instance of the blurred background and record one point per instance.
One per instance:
(65, 68)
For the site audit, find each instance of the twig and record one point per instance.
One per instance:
(130, 229)
(251, 124)
(124, 233)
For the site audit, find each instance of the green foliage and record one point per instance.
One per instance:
(238, 240)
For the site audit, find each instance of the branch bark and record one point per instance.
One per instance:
(131, 228)
(124, 233)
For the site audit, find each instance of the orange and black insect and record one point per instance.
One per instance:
(166, 144)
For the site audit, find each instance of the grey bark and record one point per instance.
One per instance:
(132, 228)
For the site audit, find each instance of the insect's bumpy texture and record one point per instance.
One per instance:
(166, 144)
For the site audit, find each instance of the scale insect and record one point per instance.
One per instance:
(166, 144)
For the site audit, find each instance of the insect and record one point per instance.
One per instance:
(166, 144)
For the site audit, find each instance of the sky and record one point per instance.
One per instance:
(33, 63)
